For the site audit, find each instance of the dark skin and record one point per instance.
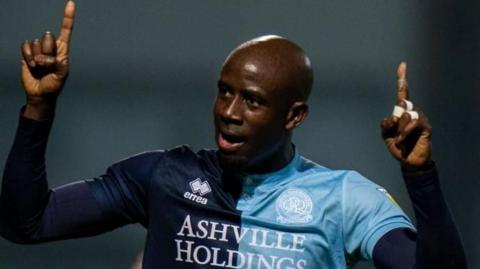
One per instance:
(407, 139)
(45, 68)
(259, 104)
(263, 89)
(262, 97)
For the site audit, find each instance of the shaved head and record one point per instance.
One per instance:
(262, 92)
(289, 66)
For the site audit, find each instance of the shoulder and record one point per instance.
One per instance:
(362, 197)
(142, 165)
(316, 173)
(355, 180)
(152, 157)
(342, 178)
(349, 186)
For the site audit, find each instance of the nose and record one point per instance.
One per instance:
(232, 111)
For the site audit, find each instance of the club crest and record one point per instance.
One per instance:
(294, 206)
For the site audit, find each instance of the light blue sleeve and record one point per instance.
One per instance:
(368, 213)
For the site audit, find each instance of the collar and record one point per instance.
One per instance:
(285, 172)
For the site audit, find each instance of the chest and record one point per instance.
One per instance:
(195, 223)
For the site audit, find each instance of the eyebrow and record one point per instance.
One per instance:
(252, 90)
(255, 91)
(221, 83)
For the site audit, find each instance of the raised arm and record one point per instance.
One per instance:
(407, 135)
(31, 212)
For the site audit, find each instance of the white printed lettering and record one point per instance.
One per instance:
(285, 259)
(187, 224)
(231, 259)
(218, 254)
(188, 251)
(202, 226)
(207, 255)
(301, 264)
(280, 240)
(264, 243)
(223, 232)
(263, 260)
(239, 236)
(298, 242)
(215, 258)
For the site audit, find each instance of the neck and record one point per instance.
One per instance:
(275, 162)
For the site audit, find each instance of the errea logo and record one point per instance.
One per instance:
(199, 188)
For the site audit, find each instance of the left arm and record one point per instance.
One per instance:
(437, 243)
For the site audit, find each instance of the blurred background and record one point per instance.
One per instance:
(144, 76)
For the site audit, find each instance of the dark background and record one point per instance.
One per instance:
(144, 76)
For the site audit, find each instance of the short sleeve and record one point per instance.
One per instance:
(122, 192)
(369, 212)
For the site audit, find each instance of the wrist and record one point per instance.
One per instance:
(428, 165)
(40, 109)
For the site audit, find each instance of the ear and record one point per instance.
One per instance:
(296, 115)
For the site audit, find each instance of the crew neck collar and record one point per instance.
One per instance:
(282, 173)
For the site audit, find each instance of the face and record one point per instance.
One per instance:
(250, 113)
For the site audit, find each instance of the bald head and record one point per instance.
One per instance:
(261, 99)
(282, 61)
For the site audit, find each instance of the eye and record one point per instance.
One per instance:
(223, 90)
(251, 101)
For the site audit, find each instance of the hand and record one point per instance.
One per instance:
(407, 134)
(45, 63)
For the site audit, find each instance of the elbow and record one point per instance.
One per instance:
(12, 238)
(14, 233)
(16, 237)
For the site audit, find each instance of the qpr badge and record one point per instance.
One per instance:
(294, 206)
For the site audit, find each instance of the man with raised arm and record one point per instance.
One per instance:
(252, 203)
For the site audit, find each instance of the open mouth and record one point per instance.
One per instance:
(228, 142)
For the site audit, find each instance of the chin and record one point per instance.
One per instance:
(231, 162)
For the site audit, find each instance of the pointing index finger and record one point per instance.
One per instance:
(67, 23)
(402, 85)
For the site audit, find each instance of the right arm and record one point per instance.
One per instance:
(30, 212)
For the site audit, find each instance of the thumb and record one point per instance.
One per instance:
(27, 78)
(61, 70)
